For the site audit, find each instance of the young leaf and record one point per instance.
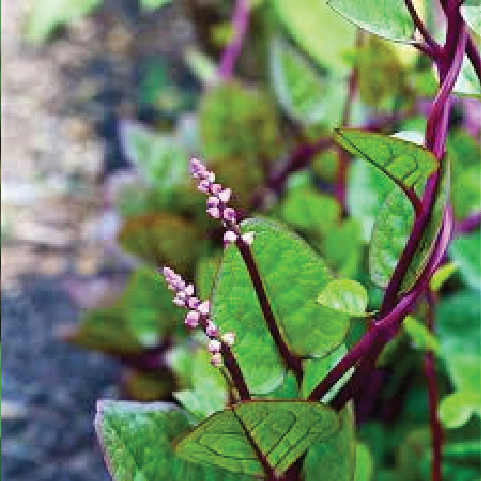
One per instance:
(333, 459)
(455, 409)
(472, 16)
(405, 163)
(466, 252)
(387, 18)
(325, 45)
(281, 430)
(137, 440)
(442, 275)
(159, 158)
(345, 295)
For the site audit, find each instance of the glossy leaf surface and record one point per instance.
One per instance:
(387, 18)
(345, 295)
(405, 163)
(137, 440)
(282, 430)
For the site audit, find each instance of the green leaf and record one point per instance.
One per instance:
(441, 275)
(419, 333)
(159, 158)
(292, 276)
(405, 163)
(465, 251)
(472, 16)
(203, 67)
(300, 89)
(47, 15)
(389, 236)
(205, 276)
(282, 431)
(316, 369)
(387, 18)
(334, 459)
(309, 211)
(209, 393)
(163, 239)
(456, 409)
(345, 295)
(368, 188)
(364, 464)
(137, 439)
(466, 191)
(467, 82)
(325, 45)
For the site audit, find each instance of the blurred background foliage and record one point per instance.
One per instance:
(267, 133)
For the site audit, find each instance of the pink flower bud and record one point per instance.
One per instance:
(204, 308)
(228, 338)
(248, 237)
(215, 189)
(193, 303)
(230, 237)
(189, 290)
(229, 214)
(212, 202)
(178, 301)
(213, 346)
(224, 195)
(216, 359)
(211, 329)
(214, 212)
(204, 186)
(192, 319)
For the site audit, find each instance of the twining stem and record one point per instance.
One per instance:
(291, 361)
(239, 24)
(429, 372)
(235, 372)
(419, 24)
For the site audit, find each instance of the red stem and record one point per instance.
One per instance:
(239, 23)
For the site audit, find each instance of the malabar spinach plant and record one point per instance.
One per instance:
(270, 396)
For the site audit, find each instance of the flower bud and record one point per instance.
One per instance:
(204, 308)
(214, 212)
(248, 237)
(230, 237)
(216, 359)
(213, 346)
(224, 195)
(228, 338)
(192, 319)
(229, 214)
(193, 302)
(211, 329)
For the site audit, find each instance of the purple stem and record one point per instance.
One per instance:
(239, 23)
(469, 224)
(434, 48)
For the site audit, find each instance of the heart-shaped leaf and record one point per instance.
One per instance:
(292, 275)
(345, 295)
(387, 18)
(137, 440)
(405, 163)
(281, 430)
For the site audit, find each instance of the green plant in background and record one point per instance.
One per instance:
(340, 299)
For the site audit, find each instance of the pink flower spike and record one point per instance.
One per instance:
(214, 212)
(212, 202)
(229, 214)
(211, 329)
(193, 303)
(230, 237)
(178, 301)
(204, 308)
(228, 338)
(213, 346)
(216, 359)
(192, 319)
(189, 290)
(248, 238)
(224, 195)
(204, 186)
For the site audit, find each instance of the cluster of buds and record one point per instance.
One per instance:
(217, 207)
(198, 314)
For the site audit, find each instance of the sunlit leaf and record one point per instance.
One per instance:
(282, 431)
(405, 163)
(442, 274)
(345, 295)
(466, 252)
(472, 16)
(467, 82)
(334, 459)
(387, 18)
(137, 440)
(47, 15)
(455, 409)
(325, 45)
